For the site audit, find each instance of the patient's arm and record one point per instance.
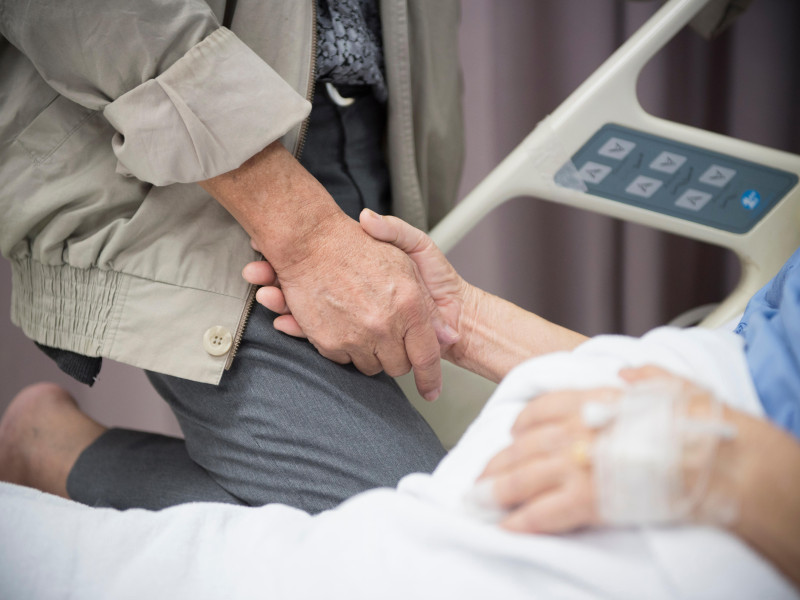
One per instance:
(549, 487)
(490, 335)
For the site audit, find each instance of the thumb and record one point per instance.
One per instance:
(394, 231)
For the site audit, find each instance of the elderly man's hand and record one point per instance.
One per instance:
(357, 300)
(444, 285)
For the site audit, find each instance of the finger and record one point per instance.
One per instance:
(338, 356)
(446, 335)
(698, 396)
(424, 354)
(562, 509)
(539, 441)
(273, 299)
(368, 364)
(394, 360)
(632, 375)
(254, 245)
(560, 405)
(394, 231)
(528, 480)
(259, 273)
(288, 325)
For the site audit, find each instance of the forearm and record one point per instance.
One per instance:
(767, 476)
(276, 201)
(497, 335)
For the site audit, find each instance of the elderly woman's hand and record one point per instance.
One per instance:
(546, 477)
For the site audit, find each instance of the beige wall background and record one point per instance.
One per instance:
(520, 59)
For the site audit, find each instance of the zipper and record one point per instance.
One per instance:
(312, 82)
(298, 152)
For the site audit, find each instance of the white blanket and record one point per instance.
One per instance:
(417, 541)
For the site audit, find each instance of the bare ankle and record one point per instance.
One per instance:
(42, 433)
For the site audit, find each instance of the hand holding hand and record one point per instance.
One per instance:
(358, 300)
(441, 283)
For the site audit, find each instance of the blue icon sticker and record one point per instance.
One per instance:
(751, 199)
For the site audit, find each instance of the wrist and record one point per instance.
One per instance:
(465, 352)
(304, 235)
(279, 203)
(721, 503)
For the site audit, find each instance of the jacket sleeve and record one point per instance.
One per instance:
(187, 98)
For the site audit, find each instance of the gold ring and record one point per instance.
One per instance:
(580, 453)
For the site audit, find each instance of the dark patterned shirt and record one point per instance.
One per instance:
(349, 50)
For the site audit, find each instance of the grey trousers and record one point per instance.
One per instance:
(285, 424)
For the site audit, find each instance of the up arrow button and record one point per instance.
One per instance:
(616, 148)
(668, 162)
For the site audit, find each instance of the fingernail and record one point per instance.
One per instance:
(433, 394)
(451, 335)
(372, 213)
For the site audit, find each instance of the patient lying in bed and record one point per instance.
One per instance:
(420, 540)
(430, 537)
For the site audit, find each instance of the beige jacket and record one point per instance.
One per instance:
(110, 110)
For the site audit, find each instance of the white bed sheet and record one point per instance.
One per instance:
(414, 542)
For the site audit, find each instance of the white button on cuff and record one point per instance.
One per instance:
(217, 340)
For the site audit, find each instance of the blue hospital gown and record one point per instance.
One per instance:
(771, 331)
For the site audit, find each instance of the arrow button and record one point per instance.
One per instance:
(668, 162)
(693, 199)
(592, 172)
(616, 148)
(643, 187)
(717, 176)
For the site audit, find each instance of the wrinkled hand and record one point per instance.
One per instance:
(539, 478)
(357, 300)
(545, 476)
(445, 286)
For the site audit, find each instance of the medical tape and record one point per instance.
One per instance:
(652, 460)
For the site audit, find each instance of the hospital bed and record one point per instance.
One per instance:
(411, 543)
(600, 151)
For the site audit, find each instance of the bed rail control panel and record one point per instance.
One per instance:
(707, 187)
(678, 179)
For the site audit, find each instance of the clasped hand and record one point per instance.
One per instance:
(359, 300)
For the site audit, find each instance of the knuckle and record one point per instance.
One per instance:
(575, 508)
(397, 370)
(369, 370)
(374, 322)
(350, 339)
(407, 301)
(503, 489)
(514, 483)
(428, 359)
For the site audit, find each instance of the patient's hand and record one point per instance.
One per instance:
(545, 477)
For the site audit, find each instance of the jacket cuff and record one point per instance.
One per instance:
(208, 113)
